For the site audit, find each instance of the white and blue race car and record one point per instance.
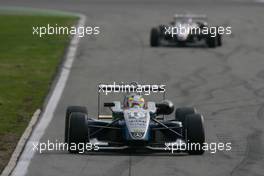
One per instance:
(184, 29)
(136, 124)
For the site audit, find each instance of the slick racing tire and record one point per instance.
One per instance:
(72, 109)
(211, 42)
(155, 37)
(78, 131)
(219, 40)
(195, 134)
(181, 113)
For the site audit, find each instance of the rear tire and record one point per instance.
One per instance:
(181, 113)
(219, 40)
(78, 131)
(195, 134)
(72, 109)
(155, 37)
(211, 42)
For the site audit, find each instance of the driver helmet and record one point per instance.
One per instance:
(135, 100)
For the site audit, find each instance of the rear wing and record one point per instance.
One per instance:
(195, 16)
(105, 89)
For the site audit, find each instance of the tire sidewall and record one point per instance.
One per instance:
(69, 111)
(195, 132)
(78, 130)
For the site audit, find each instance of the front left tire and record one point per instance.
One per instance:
(78, 131)
(69, 111)
(155, 37)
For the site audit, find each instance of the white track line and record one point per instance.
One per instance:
(27, 154)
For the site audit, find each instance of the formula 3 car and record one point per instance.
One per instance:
(136, 124)
(186, 28)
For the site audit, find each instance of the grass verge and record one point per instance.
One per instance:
(28, 64)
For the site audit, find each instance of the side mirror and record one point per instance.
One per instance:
(109, 105)
(165, 108)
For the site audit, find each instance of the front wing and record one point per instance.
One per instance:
(108, 135)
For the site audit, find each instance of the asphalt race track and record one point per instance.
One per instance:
(225, 84)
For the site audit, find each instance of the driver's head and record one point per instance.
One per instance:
(135, 100)
(190, 20)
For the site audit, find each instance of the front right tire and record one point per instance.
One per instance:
(195, 134)
(181, 113)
